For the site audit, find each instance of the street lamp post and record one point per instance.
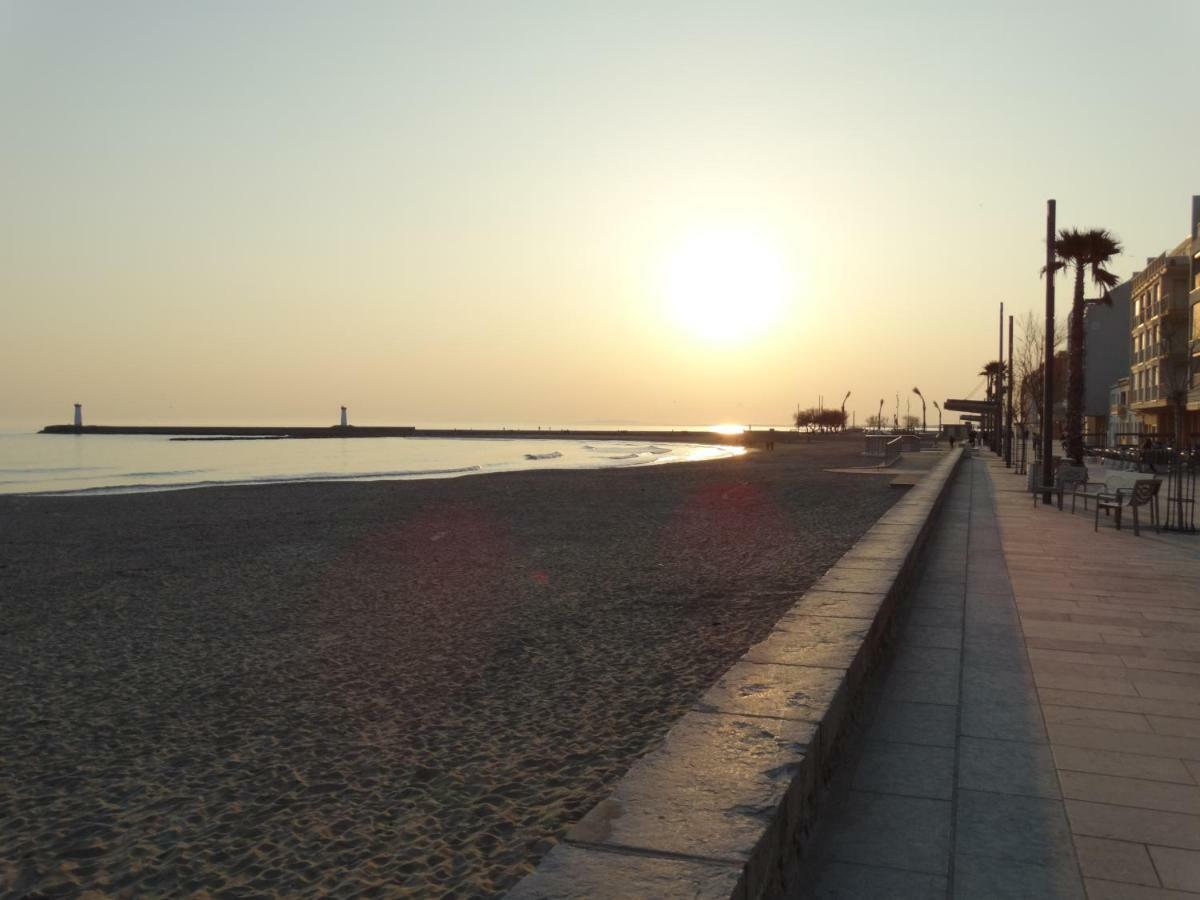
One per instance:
(879, 418)
(844, 399)
(917, 391)
(1048, 363)
(939, 409)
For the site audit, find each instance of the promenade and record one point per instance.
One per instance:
(1037, 733)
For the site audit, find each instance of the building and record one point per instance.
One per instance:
(1122, 424)
(1159, 324)
(1192, 427)
(1105, 359)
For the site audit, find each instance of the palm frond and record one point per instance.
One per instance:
(1072, 246)
(1103, 245)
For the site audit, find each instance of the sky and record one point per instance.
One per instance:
(558, 213)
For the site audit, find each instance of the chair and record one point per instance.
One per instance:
(1143, 493)
(1066, 476)
(1087, 490)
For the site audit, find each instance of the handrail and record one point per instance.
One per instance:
(891, 450)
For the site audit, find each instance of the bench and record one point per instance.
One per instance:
(1112, 483)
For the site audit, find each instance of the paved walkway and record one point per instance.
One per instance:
(1038, 732)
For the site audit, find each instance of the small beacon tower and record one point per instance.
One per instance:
(343, 423)
(78, 415)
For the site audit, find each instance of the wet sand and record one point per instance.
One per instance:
(394, 688)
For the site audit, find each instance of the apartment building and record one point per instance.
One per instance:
(1159, 357)
(1121, 424)
(1193, 397)
(1105, 357)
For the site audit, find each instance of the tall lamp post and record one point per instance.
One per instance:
(939, 409)
(917, 391)
(879, 418)
(844, 399)
(1048, 378)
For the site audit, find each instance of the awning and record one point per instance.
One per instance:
(982, 407)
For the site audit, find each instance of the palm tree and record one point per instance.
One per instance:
(1089, 252)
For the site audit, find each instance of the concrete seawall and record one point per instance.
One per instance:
(726, 802)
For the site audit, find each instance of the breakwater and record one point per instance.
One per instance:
(748, 438)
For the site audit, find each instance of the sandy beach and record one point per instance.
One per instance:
(381, 689)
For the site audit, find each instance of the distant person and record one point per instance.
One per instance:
(1148, 456)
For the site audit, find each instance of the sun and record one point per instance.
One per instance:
(726, 284)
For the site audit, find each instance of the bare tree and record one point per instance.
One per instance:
(816, 419)
(1028, 359)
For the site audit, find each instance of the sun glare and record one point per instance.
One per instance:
(726, 284)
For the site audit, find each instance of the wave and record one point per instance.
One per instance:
(165, 472)
(53, 469)
(552, 455)
(623, 445)
(313, 478)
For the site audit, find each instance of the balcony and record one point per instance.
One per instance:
(1156, 350)
(1154, 395)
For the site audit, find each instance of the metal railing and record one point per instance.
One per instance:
(892, 450)
(1179, 468)
(1149, 394)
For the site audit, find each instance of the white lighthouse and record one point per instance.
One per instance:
(344, 423)
(78, 415)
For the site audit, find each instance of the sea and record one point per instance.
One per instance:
(60, 464)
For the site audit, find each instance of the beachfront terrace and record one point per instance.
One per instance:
(1038, 731)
